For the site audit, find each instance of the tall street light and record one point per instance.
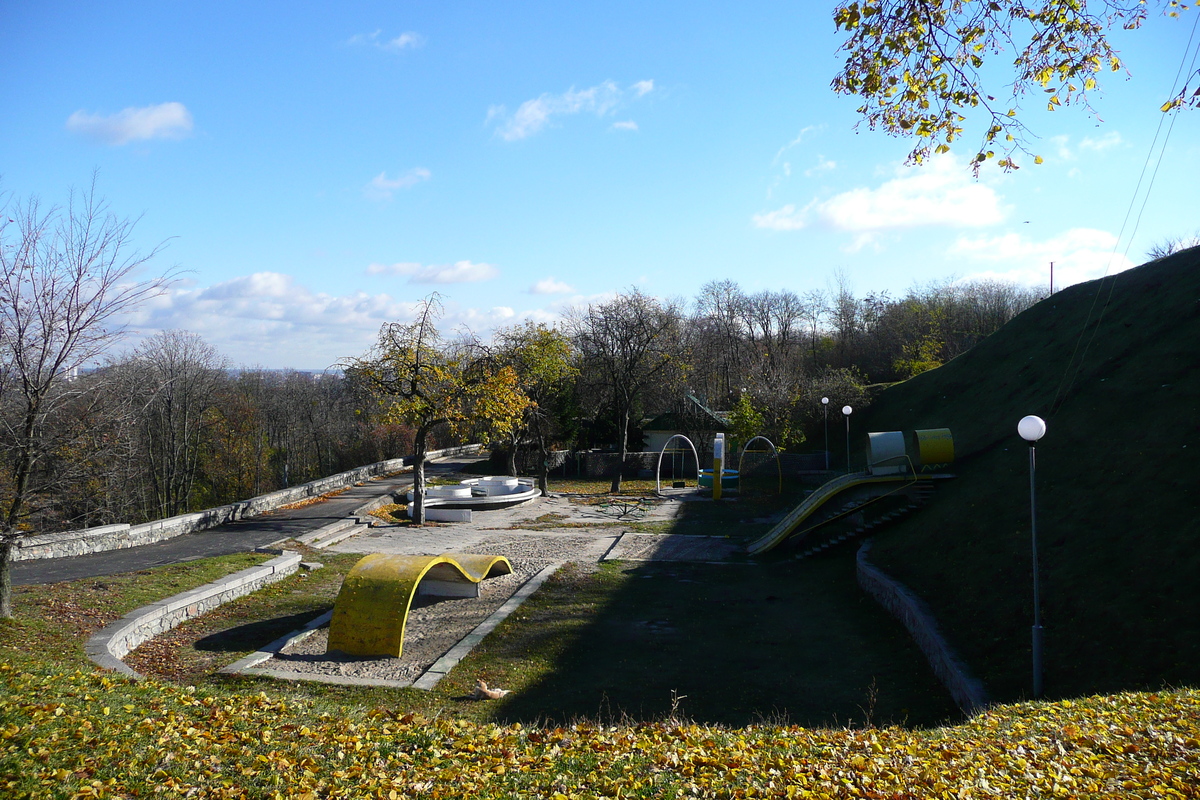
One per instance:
(1032, 429)
(825, 411)
(847, 410)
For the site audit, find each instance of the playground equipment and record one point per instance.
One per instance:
(718, 468)
(371, 610)
(455, 503)
(775, 452)
(890, 468)
(729, 480)
(658, 466)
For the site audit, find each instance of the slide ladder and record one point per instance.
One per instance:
(823, 494)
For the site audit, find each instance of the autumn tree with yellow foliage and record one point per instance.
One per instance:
(918, 65)
(425, 382)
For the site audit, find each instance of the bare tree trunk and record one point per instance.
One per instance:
(543, 467)
(416, 510)
(624, 450)
(7, 541)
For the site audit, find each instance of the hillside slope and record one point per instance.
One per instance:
(1118, 488)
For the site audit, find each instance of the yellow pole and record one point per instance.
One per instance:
(718, 464)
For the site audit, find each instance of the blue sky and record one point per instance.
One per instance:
(317, 170)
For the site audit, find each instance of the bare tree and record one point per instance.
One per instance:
(1172, 245)
(178, 373)
(627, 345)
(66, 277)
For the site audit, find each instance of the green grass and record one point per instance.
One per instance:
(51, 623)
(721, 644)
(730, 644)
(1117, 476)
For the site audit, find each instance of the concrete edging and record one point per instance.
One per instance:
(108, 646)
(968, 692)
(120, 536)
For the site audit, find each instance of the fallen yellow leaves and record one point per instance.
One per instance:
(86, 735)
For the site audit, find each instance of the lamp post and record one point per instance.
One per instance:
(847, 410)
(1032, 429)
(825, 411)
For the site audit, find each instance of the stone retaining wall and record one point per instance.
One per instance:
(968, 691)
(116, 537)
(115, 641)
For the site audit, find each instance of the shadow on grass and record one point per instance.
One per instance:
(254, 635)
(723, 644)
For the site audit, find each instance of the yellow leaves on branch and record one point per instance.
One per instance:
(55, 738)
(936, 49)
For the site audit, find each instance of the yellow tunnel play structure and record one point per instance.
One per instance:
(371, 609)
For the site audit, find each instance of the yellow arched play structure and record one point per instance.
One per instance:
(371, 609)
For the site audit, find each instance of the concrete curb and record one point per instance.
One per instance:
(455, 654)
(117, 537)
(108, 646)
(968, 692)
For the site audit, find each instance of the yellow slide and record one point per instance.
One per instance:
(818, 498)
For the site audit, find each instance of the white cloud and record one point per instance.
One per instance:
(382, 187)
(550, 285)
(375, 39)
(788, 218)
(533, 115)
(1063, 149)
(627, 125)
(805, 131)
(269, 319)
(941, 193)
(458, 272)
(162, 121)
(643, 88)
(1106, 142)
(1079, 254)
(823, 165)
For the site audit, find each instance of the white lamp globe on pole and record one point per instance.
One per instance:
(825, 412)
(847, 410)
(1032, 429)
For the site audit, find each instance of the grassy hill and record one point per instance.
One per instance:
(1113, 366)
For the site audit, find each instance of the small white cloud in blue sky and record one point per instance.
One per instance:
(550, 285)
(1079, 254)
(162, 121)
(823, 165)
(625, 125)
(382, 187)
(458, 272)
(942, 193)
(376, 39)
(533, 115)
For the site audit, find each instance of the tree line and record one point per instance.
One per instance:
(167, 427)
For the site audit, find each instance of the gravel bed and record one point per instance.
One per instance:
(435, 624)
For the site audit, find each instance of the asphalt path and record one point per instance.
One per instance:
(233, 537)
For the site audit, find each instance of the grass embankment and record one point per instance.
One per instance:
(82, 734)
(1117, 473)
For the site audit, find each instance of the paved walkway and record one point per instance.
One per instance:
(233, 537)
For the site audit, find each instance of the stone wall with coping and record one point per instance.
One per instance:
(967, 690)
(107, 647)
(116, 537)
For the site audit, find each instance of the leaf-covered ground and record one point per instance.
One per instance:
(86, 734)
